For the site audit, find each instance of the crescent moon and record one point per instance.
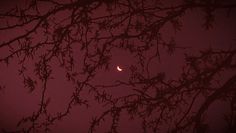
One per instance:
(119, 69)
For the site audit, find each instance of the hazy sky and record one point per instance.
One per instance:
(16, 102)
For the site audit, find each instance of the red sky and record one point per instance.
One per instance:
(16, 102)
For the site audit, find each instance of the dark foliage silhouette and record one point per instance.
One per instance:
(50, 34)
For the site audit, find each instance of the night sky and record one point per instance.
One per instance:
(17, 102)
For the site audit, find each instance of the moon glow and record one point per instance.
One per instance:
(119, 69)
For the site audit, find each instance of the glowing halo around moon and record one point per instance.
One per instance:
(119, 69)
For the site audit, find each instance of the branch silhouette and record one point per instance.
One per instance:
(53, 34)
